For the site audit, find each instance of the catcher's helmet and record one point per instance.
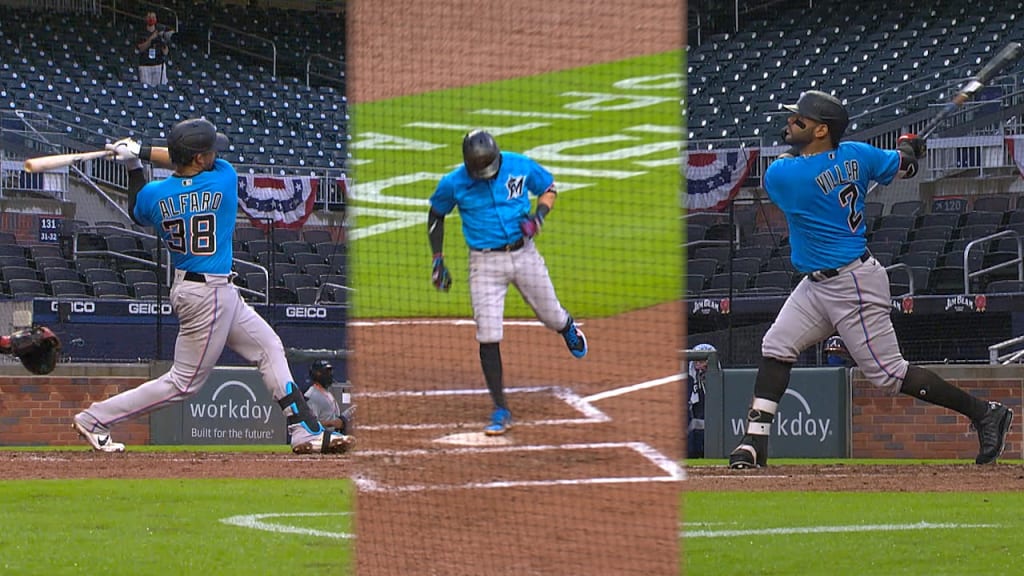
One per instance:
(824, 108)
(481, 155)
(322, 372)
(194, 136)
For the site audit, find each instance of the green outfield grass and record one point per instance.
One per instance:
(857, 534)
(612, 244)
(141, 527)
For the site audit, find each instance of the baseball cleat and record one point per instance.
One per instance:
(575, 341)
(751, 453)
(99, 442)
(743, 458)
(501, 421)
(992, 430)
(335, 444)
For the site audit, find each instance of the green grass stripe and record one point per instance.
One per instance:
(840, 533)
(138, 527)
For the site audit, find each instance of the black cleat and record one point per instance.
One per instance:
(992, 430)
(751, 453)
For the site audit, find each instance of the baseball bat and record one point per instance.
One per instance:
(46, 163)
(1003, 59)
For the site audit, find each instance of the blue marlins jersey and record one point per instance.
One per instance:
(195, 216)
(823, 198)
(491, 209)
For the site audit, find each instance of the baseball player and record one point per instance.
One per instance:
(321, 402)
(697, 374)
(194, 212)
(820, 187)
(492, 191)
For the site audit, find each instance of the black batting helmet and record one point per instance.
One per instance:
(481, 155)
(194, 136)
(824, 108)
(322, 372)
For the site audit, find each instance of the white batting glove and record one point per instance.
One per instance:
(127, 151)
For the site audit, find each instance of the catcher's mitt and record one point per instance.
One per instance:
(38, 349)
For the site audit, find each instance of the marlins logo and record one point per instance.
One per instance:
(515, 186)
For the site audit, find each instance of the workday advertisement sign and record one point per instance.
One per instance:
(233, 407)
(813, 420)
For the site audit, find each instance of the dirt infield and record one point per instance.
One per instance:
(859, 478)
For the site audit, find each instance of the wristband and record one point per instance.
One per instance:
(542, 211)
(145, 152)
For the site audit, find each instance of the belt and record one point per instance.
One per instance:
(826, 273)
(195, 277)
(506, 248)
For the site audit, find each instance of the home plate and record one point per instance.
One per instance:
(474, 439)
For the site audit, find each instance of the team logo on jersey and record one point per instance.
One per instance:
(515, 186)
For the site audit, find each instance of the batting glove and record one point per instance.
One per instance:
(440, 277)
(127, 151)
(531, 225)
(912, 144)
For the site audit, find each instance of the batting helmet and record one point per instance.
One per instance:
(481, 155)
(824, 108)
(322, 372)
(194, 136)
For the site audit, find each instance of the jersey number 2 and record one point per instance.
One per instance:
(848, 199)
(201, 234)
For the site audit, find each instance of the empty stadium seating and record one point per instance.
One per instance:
(86, 78)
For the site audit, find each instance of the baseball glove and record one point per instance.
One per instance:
(38, 348)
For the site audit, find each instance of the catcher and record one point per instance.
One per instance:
(38, 348)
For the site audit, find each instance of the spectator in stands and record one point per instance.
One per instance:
(695, 395)
(153, 48)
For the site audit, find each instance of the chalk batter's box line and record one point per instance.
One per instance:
(591, 414)
(672, 472)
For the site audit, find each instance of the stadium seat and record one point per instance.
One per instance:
(63, 288)
(21, 287)
(110, 290)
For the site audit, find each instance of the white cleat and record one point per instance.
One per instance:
(99, 442)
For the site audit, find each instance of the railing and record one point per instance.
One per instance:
(56, 5)
(210, 42)
(911, 284)
(994, 357)
(309, 63)
(1019, 260)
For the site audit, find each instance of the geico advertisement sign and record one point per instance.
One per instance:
(75, 306)
(305, 312)
(150, 308)
(802, 424)
(232, 400)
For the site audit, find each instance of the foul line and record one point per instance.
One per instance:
(633, 388)
(255, 521)
(828, 529)
(591, 414)
(673, 472)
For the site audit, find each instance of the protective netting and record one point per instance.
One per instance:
(586, 481)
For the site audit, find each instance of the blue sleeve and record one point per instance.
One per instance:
(143, 209)
(885, 164)
(775, 177)
(538, 180)
(443, 198)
